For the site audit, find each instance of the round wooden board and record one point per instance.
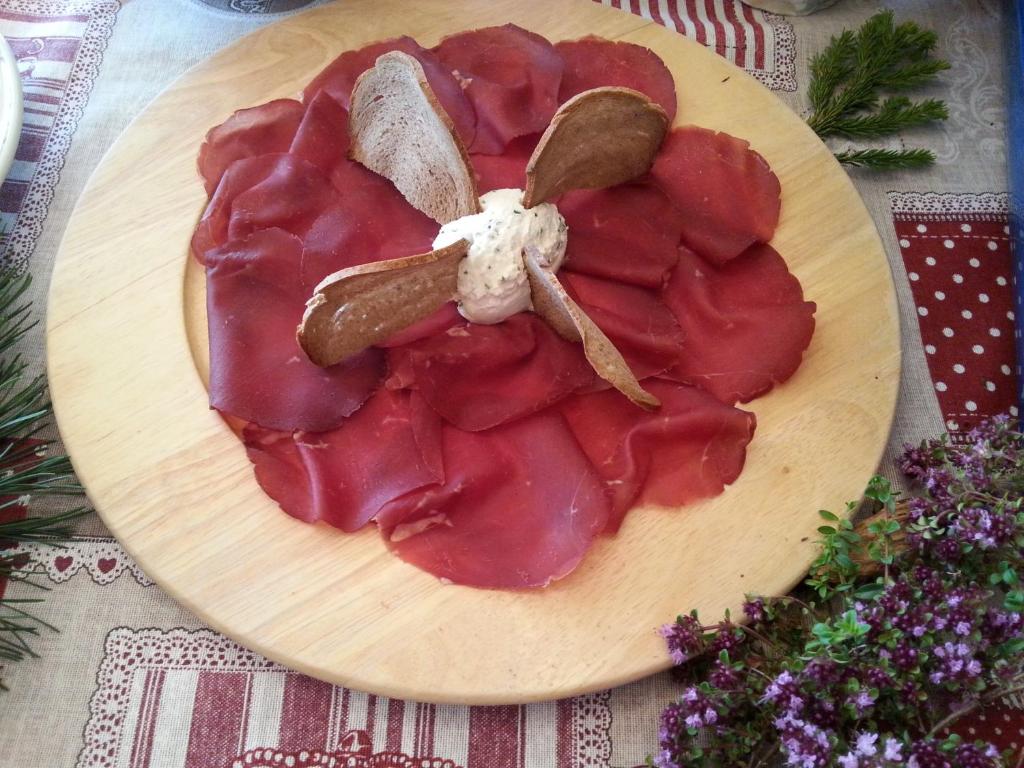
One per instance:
(127, 356)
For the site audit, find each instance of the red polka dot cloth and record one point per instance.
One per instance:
(956, 250)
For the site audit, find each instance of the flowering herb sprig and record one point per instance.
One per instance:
(906, 623)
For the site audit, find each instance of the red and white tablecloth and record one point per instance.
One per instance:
(134, 681)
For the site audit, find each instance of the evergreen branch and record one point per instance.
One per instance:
(830, 67)
(850, 77)
(51, 529)
(25, 470)
(896, 113)
(887, 159)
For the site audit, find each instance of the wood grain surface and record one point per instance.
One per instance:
(127, 360)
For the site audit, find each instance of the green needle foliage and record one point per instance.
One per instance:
(850, 77)
(25, 471)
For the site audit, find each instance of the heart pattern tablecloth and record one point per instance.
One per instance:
(134, 681)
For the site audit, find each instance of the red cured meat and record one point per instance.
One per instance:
(244, 174)
(333, 478)
(322, 137)
(353, 217)
(594, 62)
(479, 376)
(511, 77)
(248, 132)
(746, 323)
(372, 222)
(727, 193)
(627, 233)
(519, 507)
(254, 301)
(439, 322)
(338, 78)
(637, 322)
(507, 170)
(688, 449)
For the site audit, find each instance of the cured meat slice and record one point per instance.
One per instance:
(507, 170)
(338, 78)
(640, 326)
(322, 137)
(746, 323)
(726, 191)
(511, 77)
(248, 132)
(509, 515)
(292, 196)
(628, 233)
(244, 174)
(479, 376)
(594, 62)
(689, 449)
(333, 478)
(353, 217)
(254, 302)
(439, 322)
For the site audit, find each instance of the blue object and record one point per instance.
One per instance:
(1014, 13)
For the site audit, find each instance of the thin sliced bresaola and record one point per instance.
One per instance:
(746, 323)
(507, 170)
(440, 321)
(639, 325)
(242, 175)
(689, 449)
(322, 139)
(351, 217)
(519, 507)
(372, 222)
(479, 376)
(627, 233)
(510, 75)
(254, 301)
(726, 191)
(338, 78)
(594, 62)
(331, 477)
(248, 132)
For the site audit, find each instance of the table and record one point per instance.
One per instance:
(134, 680)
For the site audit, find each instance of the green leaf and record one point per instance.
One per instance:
(828, 515)
(826, 530)
(887, 159)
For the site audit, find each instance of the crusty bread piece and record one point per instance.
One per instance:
(569, 321)
(357, 307)
(400, 130)
(598, 138)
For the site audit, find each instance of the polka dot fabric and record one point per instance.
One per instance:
(960, 271)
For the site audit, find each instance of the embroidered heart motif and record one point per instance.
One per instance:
(106, 564)
(63, 563)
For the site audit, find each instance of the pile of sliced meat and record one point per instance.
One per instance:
(491, 455)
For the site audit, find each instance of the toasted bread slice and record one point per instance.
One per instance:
(598, 138)
(569, 321)
(399, 130)
(357, 307)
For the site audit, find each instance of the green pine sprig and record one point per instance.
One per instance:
(25, 472)
(850, 77)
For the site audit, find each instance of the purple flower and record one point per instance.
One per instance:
(849, 760)
(893, 750)
(755, 610)
(866, 744)
(684, 638)
(862, 702)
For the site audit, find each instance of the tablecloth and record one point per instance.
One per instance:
(134, 681)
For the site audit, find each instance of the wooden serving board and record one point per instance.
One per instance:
(127, 360)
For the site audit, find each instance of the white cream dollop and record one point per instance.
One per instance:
(493, 284)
